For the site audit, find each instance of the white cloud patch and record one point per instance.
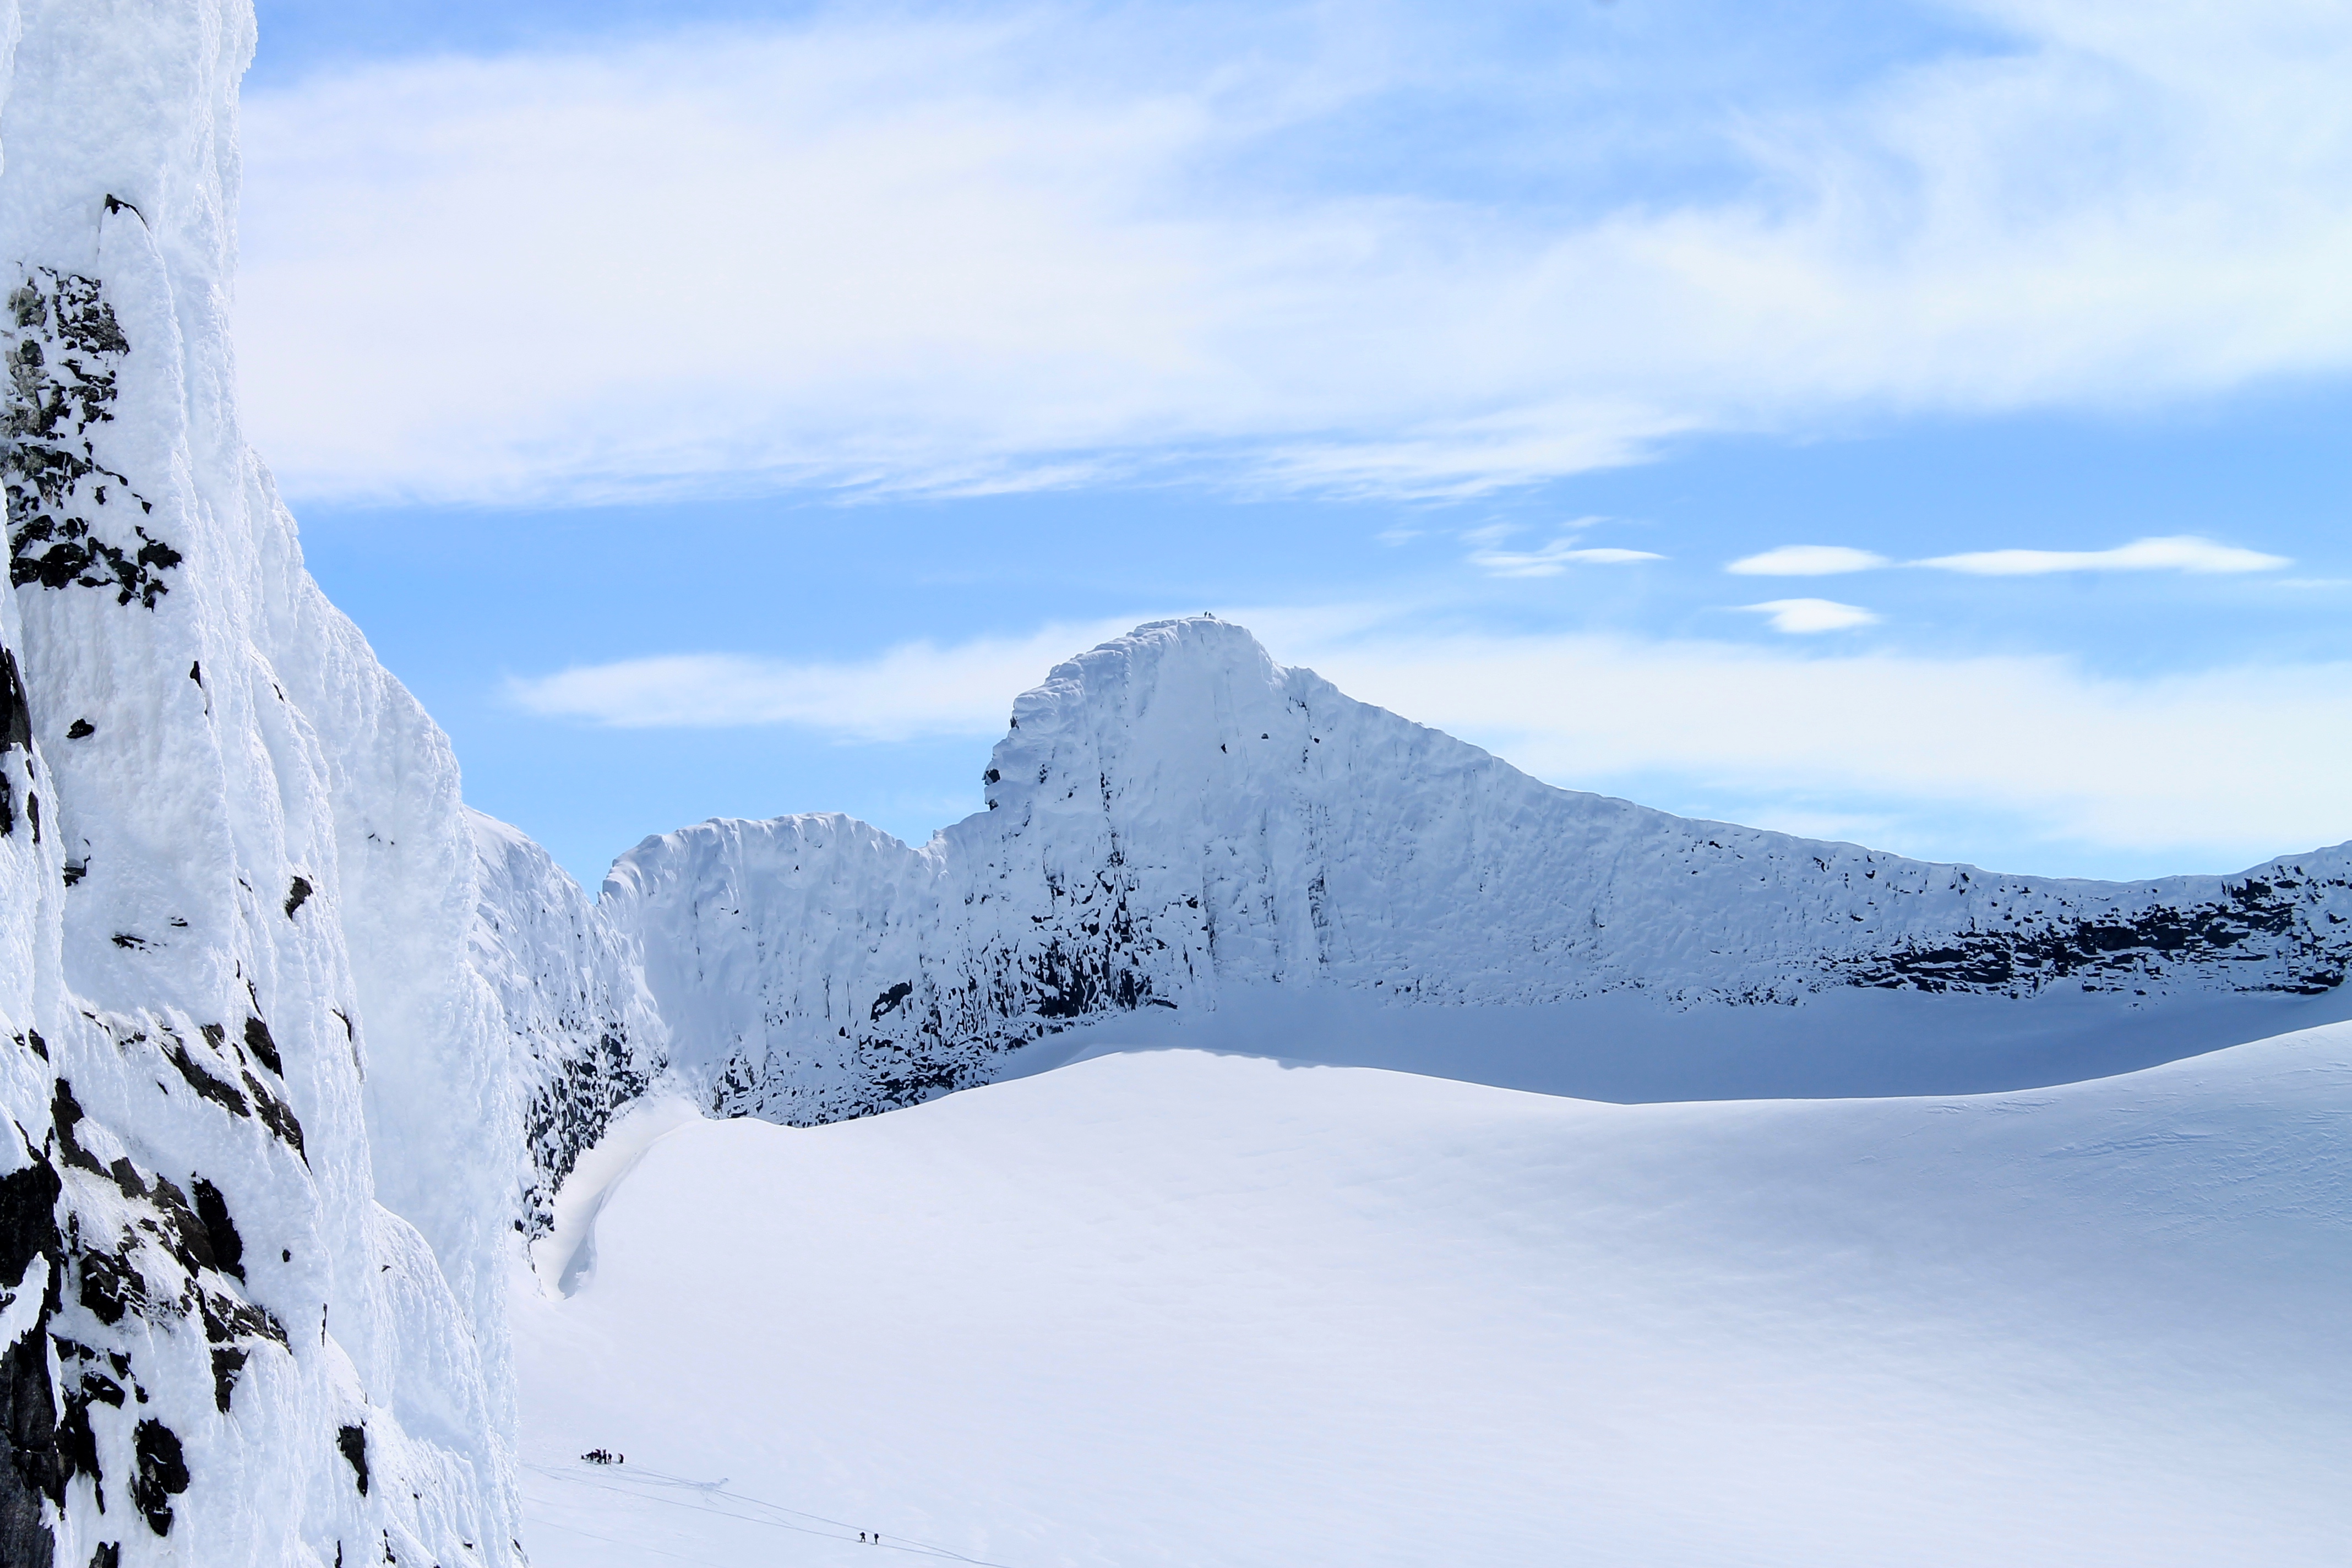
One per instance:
(994, 249)
(1806, 561)
(2182, 553)
(1801, 617)
(914, 689)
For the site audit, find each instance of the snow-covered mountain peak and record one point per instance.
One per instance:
(1175, 821)
(1185, 708)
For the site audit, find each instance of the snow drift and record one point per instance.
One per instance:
(1184, 1309)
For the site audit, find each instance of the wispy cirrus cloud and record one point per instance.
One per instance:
(2182, 553)
(2177, 553)
(1547, 560)
(1008, 247)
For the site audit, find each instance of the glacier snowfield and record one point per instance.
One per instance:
(1168, 1305)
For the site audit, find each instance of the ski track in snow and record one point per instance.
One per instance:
(1179, 1308)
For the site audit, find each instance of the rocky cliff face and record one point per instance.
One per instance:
(583, 1038)
(1174, 815)
(262, 1167)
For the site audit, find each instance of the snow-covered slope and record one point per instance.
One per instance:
(1174, 1308)
(1178, 825)
(264, 1160)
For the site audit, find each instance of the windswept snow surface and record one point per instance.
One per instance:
(1180, 829)
(1178, 1308)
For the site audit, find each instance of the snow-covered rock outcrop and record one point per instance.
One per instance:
(584, 1040)
(1173, 816)
(263, 1162)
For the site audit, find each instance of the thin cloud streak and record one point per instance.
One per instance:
(1024, 250)
(1806, 561)
(1553, 558)
(2182, 553)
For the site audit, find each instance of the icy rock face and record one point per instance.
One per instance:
(258, 1178)
(1174, 811)
(584, 1037)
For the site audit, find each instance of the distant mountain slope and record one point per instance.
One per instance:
(1175, 819)
(1178, 1309)
(581, 1035)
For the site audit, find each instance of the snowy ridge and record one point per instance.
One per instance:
(1173, 816)
(584, 1037)
(260, 1171)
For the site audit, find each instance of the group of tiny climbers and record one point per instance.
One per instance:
(606, 1457)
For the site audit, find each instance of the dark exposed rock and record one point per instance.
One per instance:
(352, 1441)
(163, 1473)
(2255, 923)
(228, 1246)
(296, 895)
(229, 1360)
(111, 1286)
(15, 713)
(565, 1116)
(68, 523)
(31, 1246)
(77, 1446)
(221, 1094)
(276, 1115)
(257, 1041)
(65, 1115)
(188, 1237)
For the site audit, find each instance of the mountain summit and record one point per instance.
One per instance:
(1177, 824)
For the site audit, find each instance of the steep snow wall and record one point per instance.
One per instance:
(583, 1038)
(1175, 819)
(273, 1010)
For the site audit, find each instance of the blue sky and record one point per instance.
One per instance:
(726, 410)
